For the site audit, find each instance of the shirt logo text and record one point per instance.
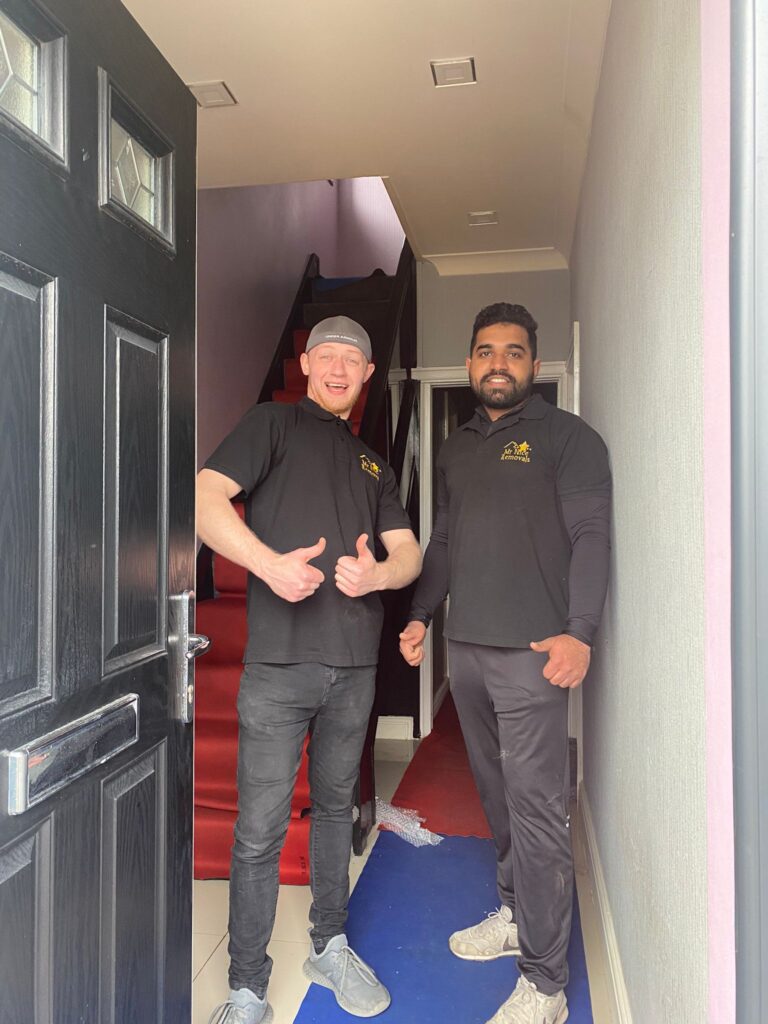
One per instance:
(370, 467)
(514, 452)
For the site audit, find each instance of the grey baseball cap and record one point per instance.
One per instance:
(343, 331)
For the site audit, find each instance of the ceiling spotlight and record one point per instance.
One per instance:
(482, 217)
(460, 71)
(212, 94)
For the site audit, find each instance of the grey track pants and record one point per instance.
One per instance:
(515, 727)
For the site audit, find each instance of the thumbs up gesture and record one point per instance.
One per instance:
(290, 576)
(356, 576)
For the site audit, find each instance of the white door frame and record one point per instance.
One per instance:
(456, 376)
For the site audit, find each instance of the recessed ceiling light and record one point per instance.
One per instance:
(459, 71)
(482, 217)
(212, 94)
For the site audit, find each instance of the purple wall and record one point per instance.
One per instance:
(369, 233)
(252, 247)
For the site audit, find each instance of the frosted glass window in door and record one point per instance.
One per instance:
(19, 75)
(133, 174)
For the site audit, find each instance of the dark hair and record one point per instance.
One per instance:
(505, 313)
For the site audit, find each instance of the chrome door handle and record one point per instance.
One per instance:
(183, 647)
(197, 644)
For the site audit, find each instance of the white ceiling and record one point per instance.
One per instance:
(343, 88)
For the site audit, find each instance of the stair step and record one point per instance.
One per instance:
(300, 336)
(378, 286)
(369, 314)
(324, 284)
(293, 376)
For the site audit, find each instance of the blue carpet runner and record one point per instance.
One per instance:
(404, 907)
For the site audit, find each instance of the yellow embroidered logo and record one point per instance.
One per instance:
(371, 467)
(514, 452)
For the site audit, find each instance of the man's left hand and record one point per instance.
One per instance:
(356, 577)
(568, 659)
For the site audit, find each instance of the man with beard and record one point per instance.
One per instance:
(521, 543)
(316, 497)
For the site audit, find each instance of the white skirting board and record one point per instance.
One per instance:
(394, 727)
(610, 1001)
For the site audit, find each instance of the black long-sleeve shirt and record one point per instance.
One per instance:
(522, 533)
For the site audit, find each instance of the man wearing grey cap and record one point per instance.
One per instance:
(316, 497)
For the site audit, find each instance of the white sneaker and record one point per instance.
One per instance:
(242, 1007)
(494, 937)
(527, 1005)
(353, 982)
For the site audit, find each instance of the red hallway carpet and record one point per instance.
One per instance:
(438, 782)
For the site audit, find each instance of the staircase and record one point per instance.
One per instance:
(377, 302)
(365, 300)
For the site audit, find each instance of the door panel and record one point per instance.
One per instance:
(97, 245)
(26, 397)
(135, 495)
(133, 815)
(26, 913)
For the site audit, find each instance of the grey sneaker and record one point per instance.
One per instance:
(494, 937)
(242, 1007)
(527, 1005)
(356, 987)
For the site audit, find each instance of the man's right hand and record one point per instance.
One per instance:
(290, 576)
(412, 642)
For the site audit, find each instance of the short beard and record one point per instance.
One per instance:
(496, 398)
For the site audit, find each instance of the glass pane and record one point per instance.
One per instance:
(5, 61)
(145, 165)
(19, 70)
(20, 51)
(133, 172)
(118, 142)
(144, 205)
(20, 103)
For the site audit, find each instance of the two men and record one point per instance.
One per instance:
(316, 497)
(521, 543)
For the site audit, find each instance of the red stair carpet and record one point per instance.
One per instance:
(438, 782)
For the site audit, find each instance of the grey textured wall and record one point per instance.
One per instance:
(447, 308)
(636, 290)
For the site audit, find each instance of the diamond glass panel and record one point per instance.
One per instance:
(19, 75)
(133, 173)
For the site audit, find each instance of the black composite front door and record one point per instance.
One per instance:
(97, 376)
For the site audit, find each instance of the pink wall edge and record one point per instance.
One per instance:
(715, 213)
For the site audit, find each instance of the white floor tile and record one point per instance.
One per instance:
(292, 918)
(388, 776)
(202, 949)
(287, 986)
(210, 906)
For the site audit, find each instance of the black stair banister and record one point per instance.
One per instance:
(284, 350)
(383, 344)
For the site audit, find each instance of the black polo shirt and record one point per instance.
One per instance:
(501, 486)
(306, 476)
